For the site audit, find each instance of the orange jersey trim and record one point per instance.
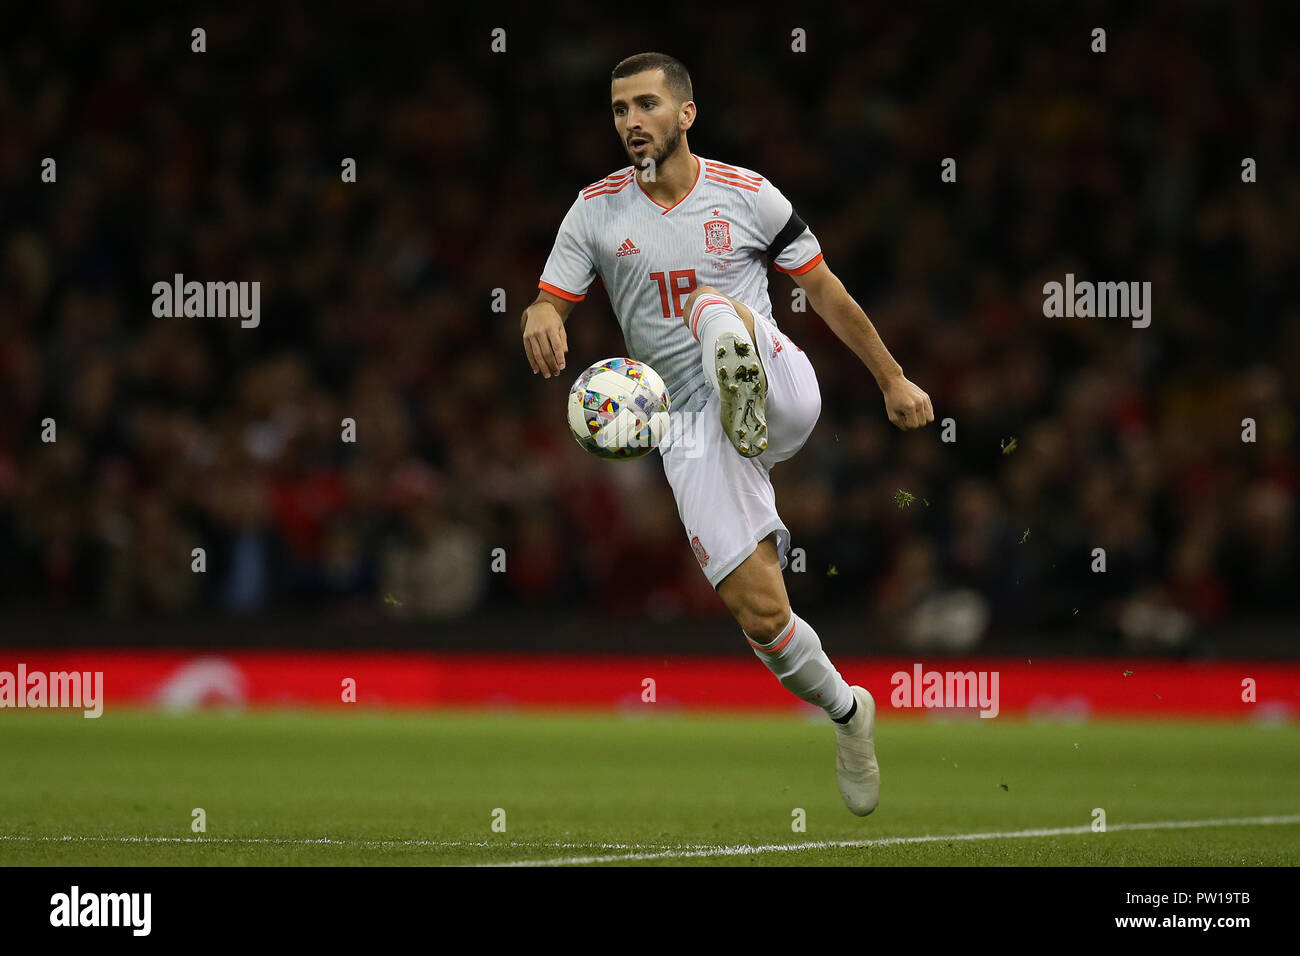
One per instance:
(604, 192)
(608, 190)
(614, 179)
(732, 182)
(722, 169)
(556, 290)
(699, 168)
(806, 267)
(734, 169)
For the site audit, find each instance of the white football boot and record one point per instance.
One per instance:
(742, 386)
(855, 756)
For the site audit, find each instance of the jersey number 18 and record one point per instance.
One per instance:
(680, 283)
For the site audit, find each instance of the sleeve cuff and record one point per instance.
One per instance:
(556, 290)
(800, 270)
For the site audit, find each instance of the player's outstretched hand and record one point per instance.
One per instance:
(907, 405)
(544, 340)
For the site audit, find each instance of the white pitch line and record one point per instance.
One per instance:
(657, 851)
(319, 841)
(746, 849)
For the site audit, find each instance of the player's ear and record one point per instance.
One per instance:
(686, 115)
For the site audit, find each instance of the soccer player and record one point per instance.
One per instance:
(682, 244)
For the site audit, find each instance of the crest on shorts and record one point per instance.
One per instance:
(700, 554)
(717, 236)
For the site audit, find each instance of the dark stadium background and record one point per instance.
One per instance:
(376, 305)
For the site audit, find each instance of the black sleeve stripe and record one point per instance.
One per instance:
(788, 234)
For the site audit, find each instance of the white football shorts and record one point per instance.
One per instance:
(725, 500)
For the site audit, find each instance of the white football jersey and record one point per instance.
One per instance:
(650, 258)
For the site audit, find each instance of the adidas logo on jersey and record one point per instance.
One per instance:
(628, 248)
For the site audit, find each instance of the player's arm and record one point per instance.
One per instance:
(907, 405)
(569, 271)
(543, 327)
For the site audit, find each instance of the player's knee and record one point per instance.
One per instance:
(763, 617)
(810, 409)
(800, 408)
(690, 300)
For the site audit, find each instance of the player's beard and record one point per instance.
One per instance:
(670, 146)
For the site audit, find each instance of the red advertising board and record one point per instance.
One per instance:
(1070, 688)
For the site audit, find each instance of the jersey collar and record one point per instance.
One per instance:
(699, 169)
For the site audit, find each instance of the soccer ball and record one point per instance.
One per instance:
(618, 409)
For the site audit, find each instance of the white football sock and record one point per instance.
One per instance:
(711, 316)
(798, 661)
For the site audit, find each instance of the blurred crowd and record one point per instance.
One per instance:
(176, 434)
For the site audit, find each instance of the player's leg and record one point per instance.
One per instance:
(794, 398)
(731, 362)
(728, 507)
(780, 402)
(743, 312)
(755, 594)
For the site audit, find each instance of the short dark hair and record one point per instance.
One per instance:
(676, 76)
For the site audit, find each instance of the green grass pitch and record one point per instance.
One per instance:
(660, 789)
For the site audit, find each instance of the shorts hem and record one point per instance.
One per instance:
(716, 575)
